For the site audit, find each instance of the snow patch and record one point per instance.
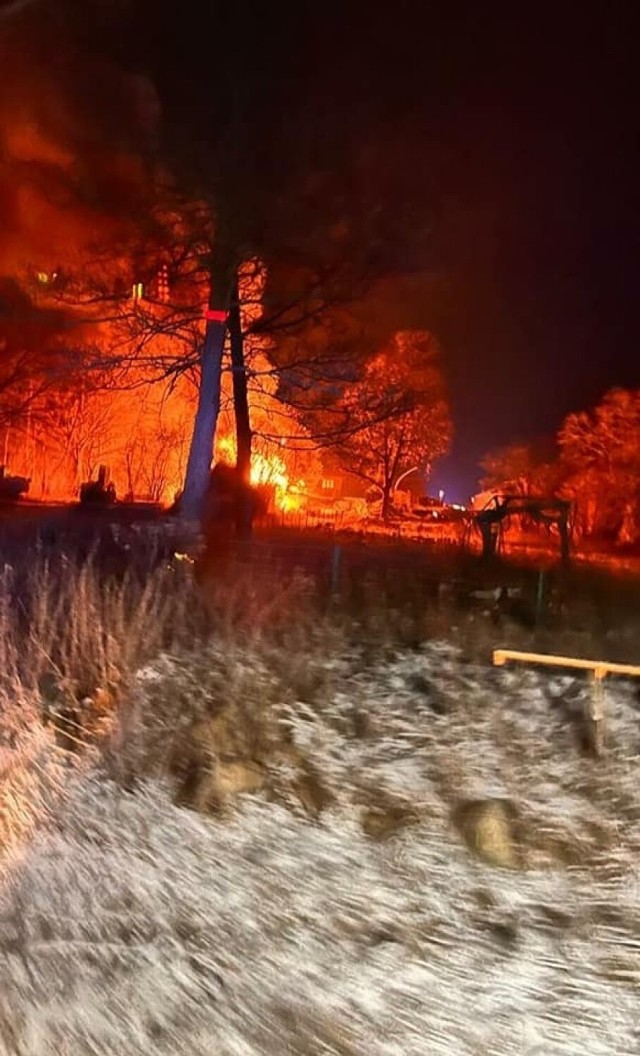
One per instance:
(129, 925)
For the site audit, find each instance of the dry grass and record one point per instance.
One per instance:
(72, 639)
(63, 624)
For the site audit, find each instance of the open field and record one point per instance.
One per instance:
(258, 815)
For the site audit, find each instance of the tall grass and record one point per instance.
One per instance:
(61, 624)
(74, 634)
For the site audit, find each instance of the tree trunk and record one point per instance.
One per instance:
(386, 501)
(244, 513)
(197, 476)
(204, 427)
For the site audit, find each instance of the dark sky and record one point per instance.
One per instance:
(527, 119)
(522, 119)
(540, 234)
(531, 124)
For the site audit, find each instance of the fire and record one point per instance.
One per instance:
(267, 469)
(272, 470)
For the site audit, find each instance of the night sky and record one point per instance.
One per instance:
(523, 121)
(540, 234)
(531, 125)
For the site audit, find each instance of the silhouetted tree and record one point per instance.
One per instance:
(325, 200)
(522, 469)
(396, 415)
(600, 452)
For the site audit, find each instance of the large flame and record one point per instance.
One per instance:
(138, 427)
(267, 468)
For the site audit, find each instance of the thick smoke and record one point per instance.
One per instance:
(73, 135)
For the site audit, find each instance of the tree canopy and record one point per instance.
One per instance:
(396, 415)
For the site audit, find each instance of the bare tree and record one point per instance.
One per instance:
(252, 189)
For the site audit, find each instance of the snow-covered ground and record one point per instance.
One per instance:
(131, 926)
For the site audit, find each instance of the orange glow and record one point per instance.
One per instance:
(140, 430)
(25, 141)
(267, 469)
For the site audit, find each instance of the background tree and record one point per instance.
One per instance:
(395, 416)
(600, 451)
(86, 429)
(322, 199)
(69, 179)
(327, 200)
(33, 352)
(522, 469)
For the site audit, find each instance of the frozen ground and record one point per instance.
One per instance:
(130, 926)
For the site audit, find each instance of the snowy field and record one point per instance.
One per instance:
(129, 925)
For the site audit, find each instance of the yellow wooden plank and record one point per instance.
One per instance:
(600, 668)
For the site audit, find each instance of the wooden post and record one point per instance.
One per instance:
(540, 596)
(595, 707)
(336, 553)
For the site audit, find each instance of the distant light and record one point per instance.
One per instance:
(441, 494)
(137, 292)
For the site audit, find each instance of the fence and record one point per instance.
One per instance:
(338, 521)
(412, 570)
(339, 565)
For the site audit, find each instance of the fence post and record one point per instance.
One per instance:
(540, 595)
(336, 555)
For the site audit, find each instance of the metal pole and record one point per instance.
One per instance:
(414, 469)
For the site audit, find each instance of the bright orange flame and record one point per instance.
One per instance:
(267, 469)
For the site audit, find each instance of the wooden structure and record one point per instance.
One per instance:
(548, 511)
(595, 708)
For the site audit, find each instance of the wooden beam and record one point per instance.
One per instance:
(595, 706)
(600, 668)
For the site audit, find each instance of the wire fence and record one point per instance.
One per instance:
(339, 522)
(338, 566)
(340, 560)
